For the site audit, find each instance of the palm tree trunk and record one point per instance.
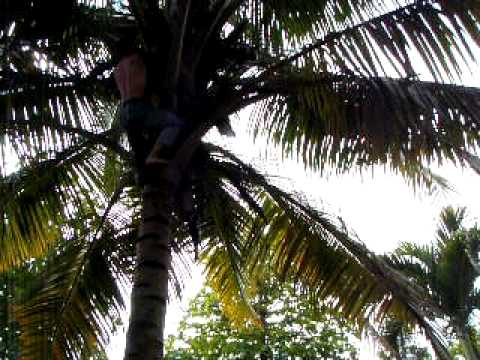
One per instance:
(150, 288)
(471, 352)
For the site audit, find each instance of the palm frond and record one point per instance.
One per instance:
(55, 82)
(78, 22)
(339, 269)
(423, 253)
(40, 116)
(363, 36)
(74, 303)
(454, 290)
(473, 161)
(297, 241)
(78, 328)
(472, 243)
(446, 269)
(345, 121)
(223, 255)
(38, 200)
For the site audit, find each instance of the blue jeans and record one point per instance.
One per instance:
(146, 126)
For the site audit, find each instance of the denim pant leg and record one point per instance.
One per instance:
(169, 126)
(134, 119)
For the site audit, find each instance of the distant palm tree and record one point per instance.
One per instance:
(397, 341)
(320, 75)
(448, 269)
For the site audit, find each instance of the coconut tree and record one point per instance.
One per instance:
(448, 270)
(333, 83)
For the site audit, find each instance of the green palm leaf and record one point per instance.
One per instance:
(473, 161)
(37, 201)
(72, 306)
(363, 36)
(446, 270)
(59, 321)
(297, 241)
(345, 121)
(222, 253)
(54, 92)
(450, 222)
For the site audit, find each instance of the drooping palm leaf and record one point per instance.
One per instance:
(71, 307)
(473, 161)
(346, 121)
(223, 254)
(55, 89)
(58, 321)
(37, 201)
(297, 241)
(364, 35)
(45, 113)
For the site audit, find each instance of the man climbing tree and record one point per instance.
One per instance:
(152, 132)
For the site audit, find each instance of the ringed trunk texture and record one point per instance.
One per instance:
(150, 288)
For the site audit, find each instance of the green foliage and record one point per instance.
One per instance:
(448, 270)
(59, 311)
(447, 267)
(66, 302)
(290, 328)
(16, 286)
(456, 348)
(410, 350)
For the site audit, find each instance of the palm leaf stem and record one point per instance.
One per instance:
(178, 50)
(222, 8)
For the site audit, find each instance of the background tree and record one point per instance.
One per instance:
(447, 269)
(290, 328)
(398, 341)
(334, 84)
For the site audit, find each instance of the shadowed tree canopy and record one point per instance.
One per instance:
(333, 83)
